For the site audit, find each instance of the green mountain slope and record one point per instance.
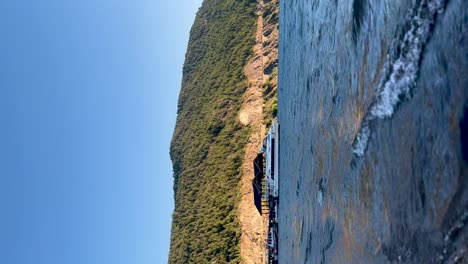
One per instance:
(208, 143)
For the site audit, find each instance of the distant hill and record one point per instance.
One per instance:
(208, 145)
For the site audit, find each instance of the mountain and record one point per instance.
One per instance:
(228, 95)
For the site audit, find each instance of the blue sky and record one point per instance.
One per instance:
(88, 96)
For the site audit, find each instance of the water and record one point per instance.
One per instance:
(402, 70)
(371, 94)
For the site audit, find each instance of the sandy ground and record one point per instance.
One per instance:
(253, 227)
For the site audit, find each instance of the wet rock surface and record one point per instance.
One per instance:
(405, 197)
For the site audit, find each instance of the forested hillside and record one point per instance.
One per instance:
(208, 144)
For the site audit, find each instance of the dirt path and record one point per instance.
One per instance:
(251, 114)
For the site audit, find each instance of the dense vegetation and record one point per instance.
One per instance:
(270, 45)
(208, 143)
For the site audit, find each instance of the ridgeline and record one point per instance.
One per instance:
(209, 141)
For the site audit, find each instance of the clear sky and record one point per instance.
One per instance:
(88, 97)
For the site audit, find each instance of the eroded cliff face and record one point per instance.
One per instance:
(256, 111)
(372, 105)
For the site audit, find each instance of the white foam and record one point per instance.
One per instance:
(320, 198)
(403, 71)
(361, 141)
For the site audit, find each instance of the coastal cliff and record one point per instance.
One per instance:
(228, 95)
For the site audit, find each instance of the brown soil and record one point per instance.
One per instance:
(251, 114)
(254, 225)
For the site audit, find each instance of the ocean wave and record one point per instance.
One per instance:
(401, 68)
